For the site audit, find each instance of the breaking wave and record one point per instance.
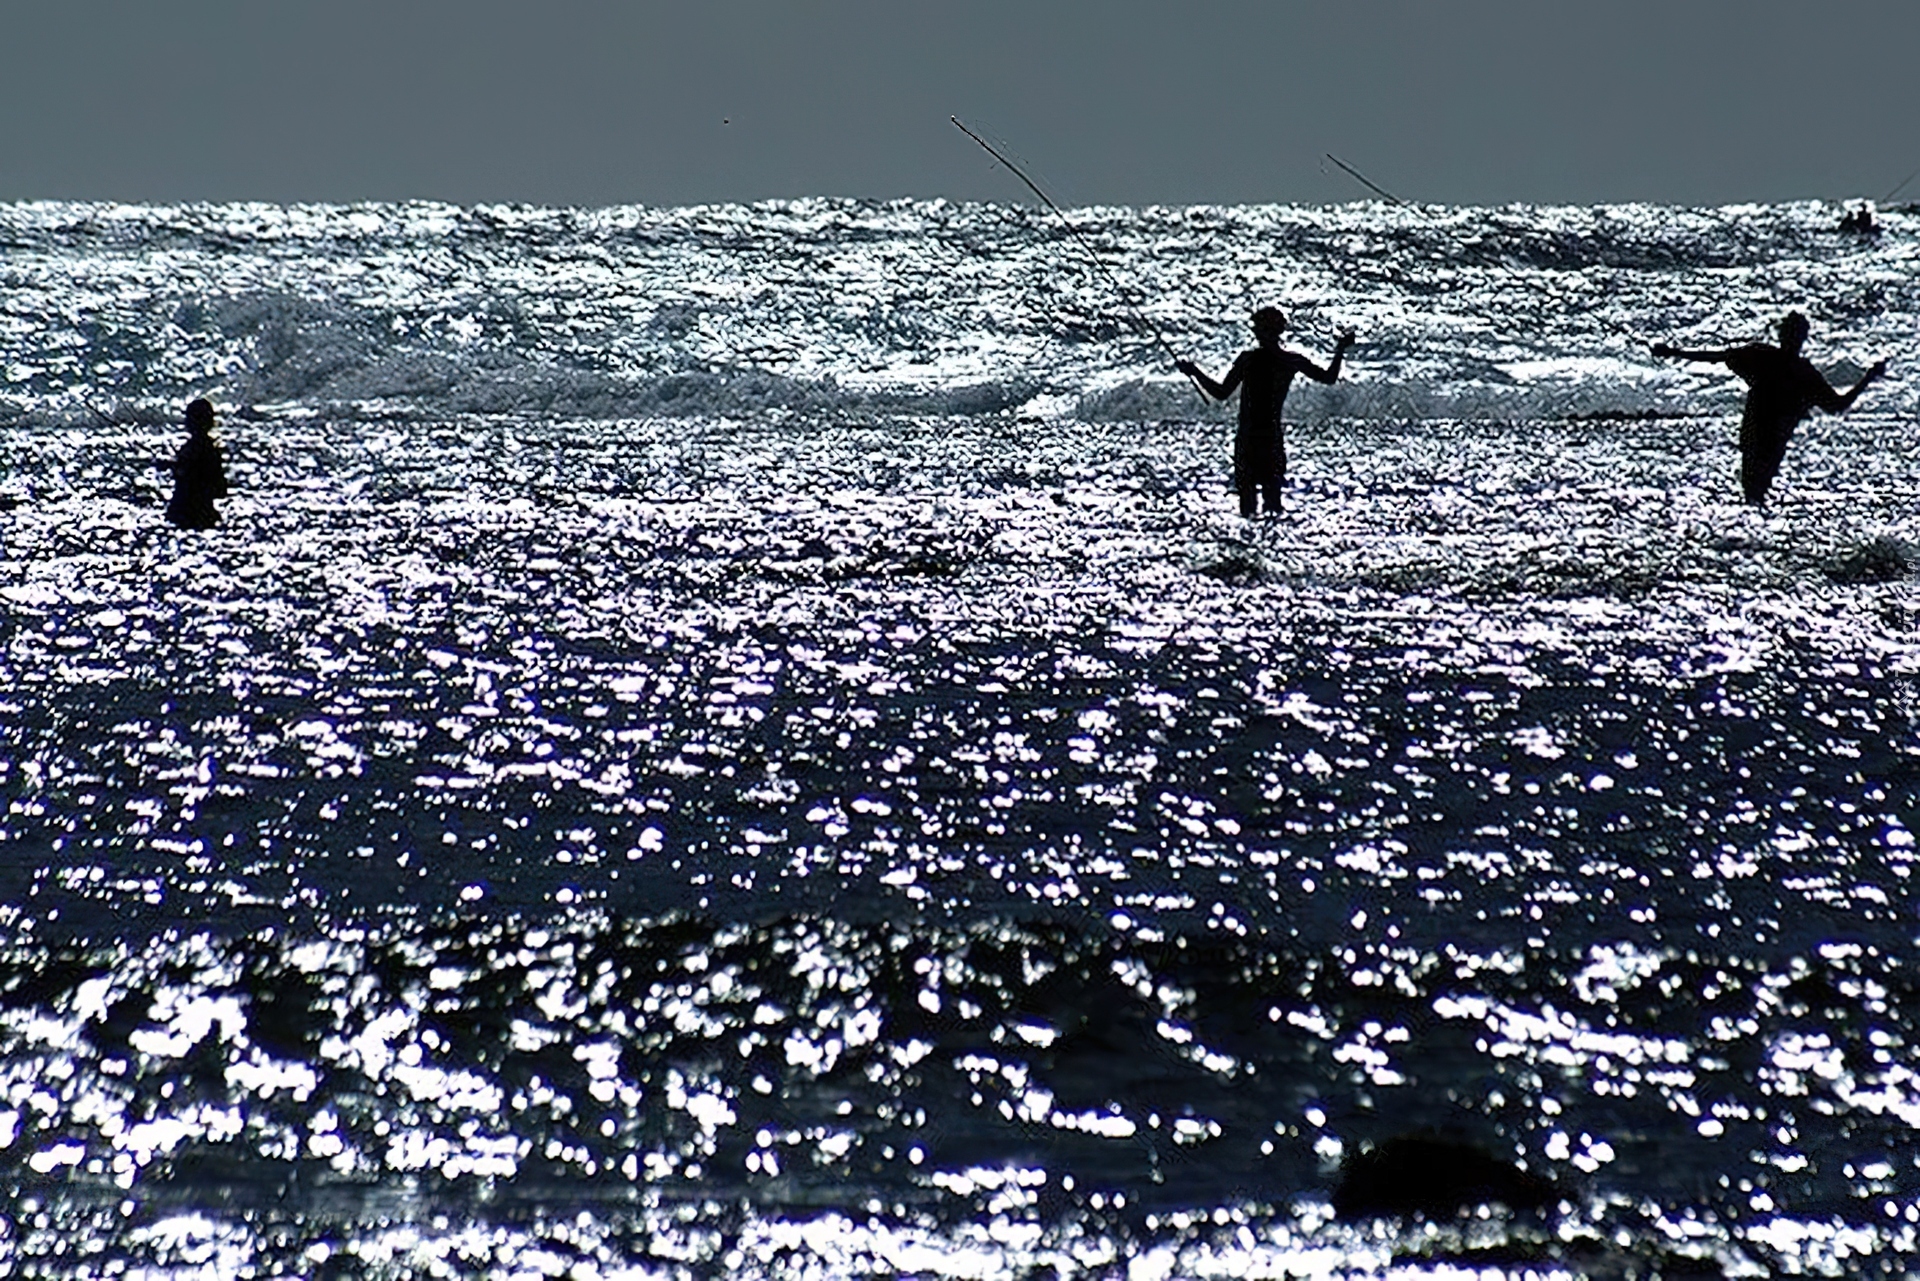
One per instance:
(824, 308)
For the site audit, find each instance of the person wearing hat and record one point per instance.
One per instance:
(1263, 376)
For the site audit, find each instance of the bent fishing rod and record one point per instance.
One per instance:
(1099, 266)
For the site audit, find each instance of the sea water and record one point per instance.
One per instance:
(750, 741)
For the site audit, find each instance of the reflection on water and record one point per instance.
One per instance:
(440, 869)
(1021, 1095)
(749, 743)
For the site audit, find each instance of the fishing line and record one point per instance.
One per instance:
(1618, 328)
(1093, 257)
(1901, 187)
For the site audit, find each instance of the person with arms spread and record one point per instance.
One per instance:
(1264, 375)
(1782, 388)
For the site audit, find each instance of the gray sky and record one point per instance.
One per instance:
(562, 102)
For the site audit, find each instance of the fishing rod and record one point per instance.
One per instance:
(1902, 187)
(1093, 257)
(1365, 181)
(1614, 325)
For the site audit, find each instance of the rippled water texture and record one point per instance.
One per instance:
(749, 742)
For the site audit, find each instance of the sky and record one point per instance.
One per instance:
(565, 102)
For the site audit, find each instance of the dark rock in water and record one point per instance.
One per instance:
(1883, 560)
(1237, 566)
(1435, 1177)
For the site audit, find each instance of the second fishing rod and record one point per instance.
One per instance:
(1606, 322)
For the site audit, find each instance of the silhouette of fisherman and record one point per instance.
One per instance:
(199, 472)
(1782, 386)
(1859, 221)
(1264, 375)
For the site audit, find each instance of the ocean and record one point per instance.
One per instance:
(752, 741)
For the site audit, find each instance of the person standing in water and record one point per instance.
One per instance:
(1782, 387)
(1264, 375)
(199, 472)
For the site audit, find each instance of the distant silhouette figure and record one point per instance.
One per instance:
(1782, 386)
(199, 473)
(1859, 221)
(1264, 376)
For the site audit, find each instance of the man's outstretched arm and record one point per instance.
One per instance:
(1842, 401)
(1219, 391)
(1665, 352)
(1332, 372)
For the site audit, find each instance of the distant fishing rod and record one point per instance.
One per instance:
(1902, 187)
(1365, 181)
(1093, 257)
(1617, 328)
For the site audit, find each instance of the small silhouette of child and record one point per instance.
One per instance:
(199, 472)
